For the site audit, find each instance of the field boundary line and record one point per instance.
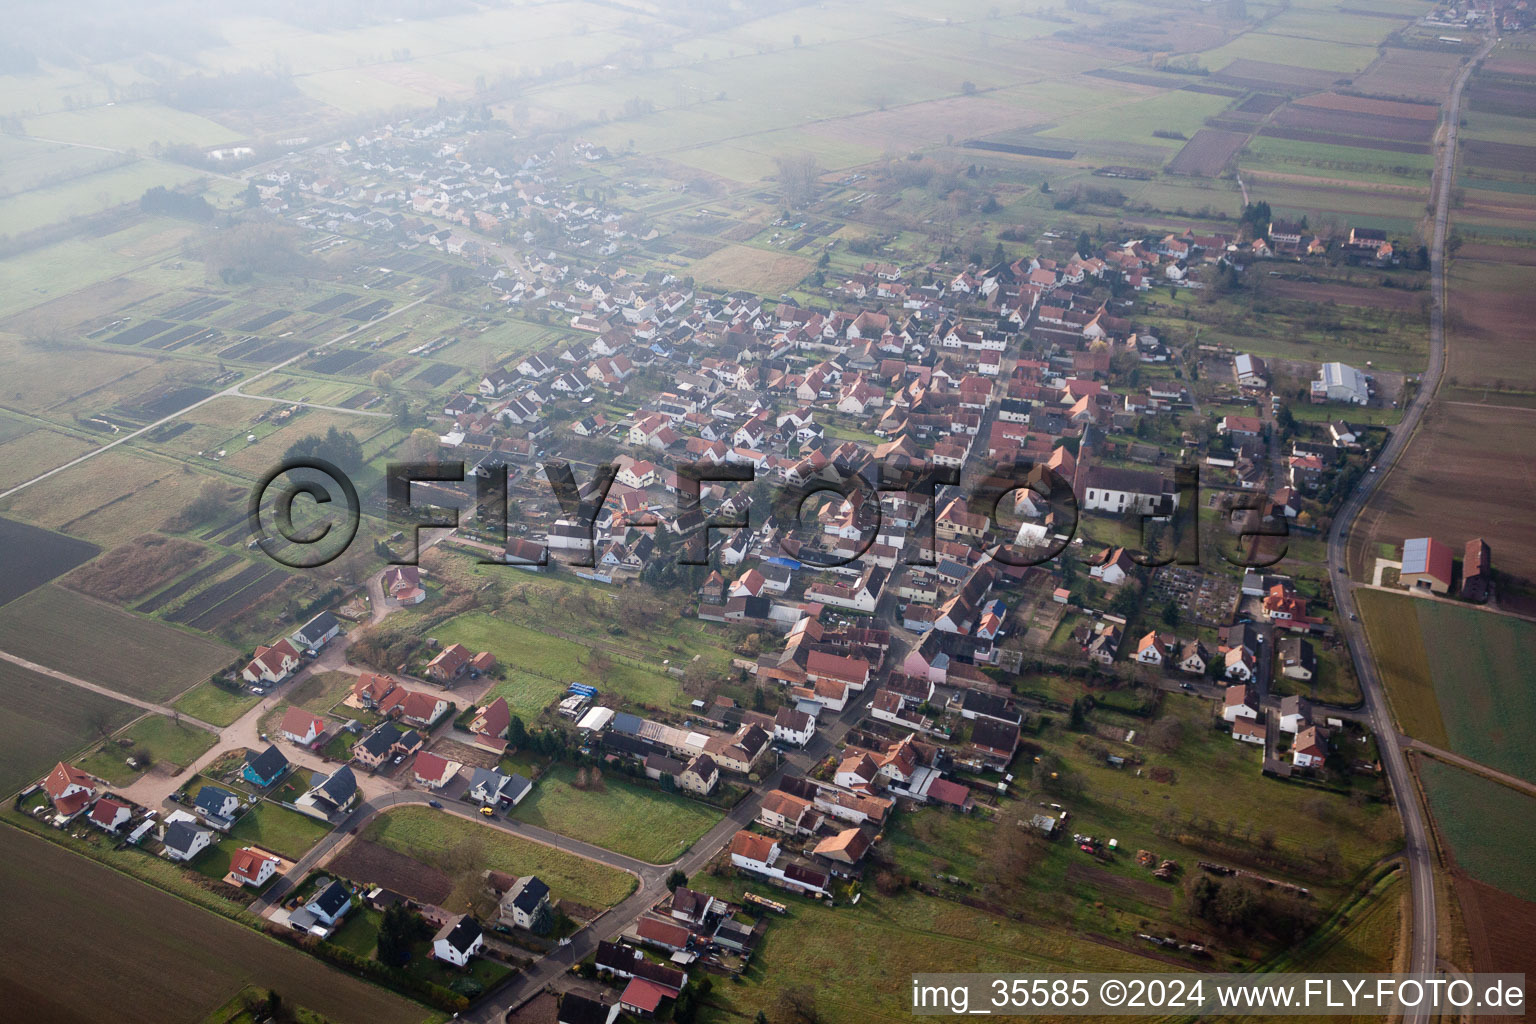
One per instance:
(97, 688)
(1516, 783)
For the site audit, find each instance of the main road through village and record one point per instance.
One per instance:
(1423, 933)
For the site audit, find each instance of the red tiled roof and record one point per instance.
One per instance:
(431, 767)
(664, 932)
(63, 776)
(247, 863)
(752, 846)
(644, 995)
(297, 722)
(105, 811)
(948, 792)
(836, 666)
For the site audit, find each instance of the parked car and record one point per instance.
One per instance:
(434, 803)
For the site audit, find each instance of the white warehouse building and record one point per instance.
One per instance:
(1340, 382)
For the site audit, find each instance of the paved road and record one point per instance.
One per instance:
(1424, 931)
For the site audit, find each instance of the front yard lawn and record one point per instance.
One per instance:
(278, 829)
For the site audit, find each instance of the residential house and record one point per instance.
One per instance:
(1249, 730)
(301, 727)
(1113, 566)
(271, 664)
(265, 768)
(526, 905)
(1240, 665)
(1240, 702)
(69, 788)
(576, 1008)
(183, 839)
(216, 803)
(846, 847)
(784, 812)
(1310, 748)
(449, 663)
(330, 904)
(252, 867)
(700, 777)
(1297, 659)
(110, 815)
(1295, 713)
(433, 770)
(791, 726)
(317, 631)
(459, 939)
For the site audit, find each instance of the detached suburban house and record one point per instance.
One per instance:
(69, 788)
(526, 905)
(265, 768)
(458, 940)
(271, 664)
(252, 867)
(183, 838)
(301, 727)
(110, 815)
(317, 631)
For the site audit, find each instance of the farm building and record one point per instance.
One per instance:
(1476, 573)
(1340, 382)
(1426, 565)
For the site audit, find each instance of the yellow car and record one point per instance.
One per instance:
(489, 812)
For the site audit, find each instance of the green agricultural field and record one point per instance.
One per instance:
(1490, 828)
(102, 644)
(430, 836)
(1392, 627)
(1278, 48)
(44, 721)
(214, 704)
(90, 193)
(623, 817)
(114, 498)
(186, 961)
(1485, 682)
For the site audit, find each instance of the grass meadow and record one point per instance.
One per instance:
(623, 817)
(434, 836)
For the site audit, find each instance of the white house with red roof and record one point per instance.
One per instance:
(851, 672)
(110, 815)
(252, 867)
(271, 664)
(69, 788)
(433, 770)
(301, 727)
